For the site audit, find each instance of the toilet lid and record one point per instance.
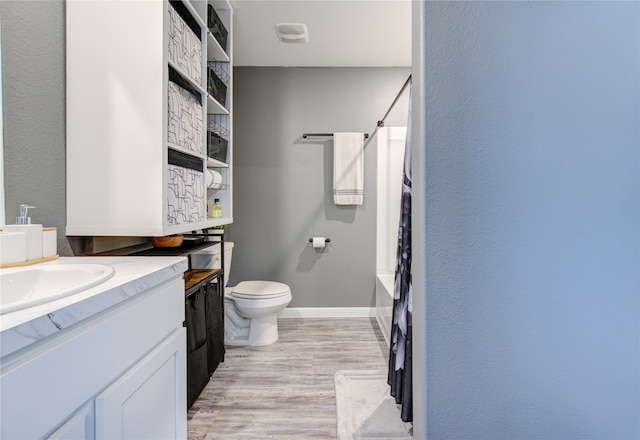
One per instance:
(259, 290)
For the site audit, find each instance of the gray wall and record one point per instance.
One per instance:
(283, 183)
(33, 57)
(529, 180)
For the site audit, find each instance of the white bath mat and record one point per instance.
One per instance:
(365, 410)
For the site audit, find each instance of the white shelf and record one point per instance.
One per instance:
(213, 163)
(208, 223)
(223, 5)
(214, 107)
(195, 14)
(176, 147)
(185, 77)
(220, 187)
(215, 52)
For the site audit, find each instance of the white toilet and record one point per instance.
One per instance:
(251, 307)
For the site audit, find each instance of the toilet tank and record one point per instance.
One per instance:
(209, 258)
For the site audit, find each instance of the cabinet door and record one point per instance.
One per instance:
(123, 410)
(80, 426)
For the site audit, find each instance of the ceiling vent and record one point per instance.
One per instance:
(292, 32)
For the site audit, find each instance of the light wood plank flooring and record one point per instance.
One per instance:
(285, 390)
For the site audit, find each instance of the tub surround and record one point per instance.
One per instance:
(133, 276)
(384, 302)
(391, 147)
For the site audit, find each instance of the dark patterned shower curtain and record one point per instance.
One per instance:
(400, 370)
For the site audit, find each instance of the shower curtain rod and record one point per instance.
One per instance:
(406, 83)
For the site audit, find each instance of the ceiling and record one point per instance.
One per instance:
(363, 33)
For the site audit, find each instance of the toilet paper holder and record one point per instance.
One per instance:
(326, 240)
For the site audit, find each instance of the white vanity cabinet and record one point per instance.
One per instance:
(119, 374)
(139, 114)
(80, 426)
(123, 410)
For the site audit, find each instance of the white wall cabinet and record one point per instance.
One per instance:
(120, 374)
(140, 110)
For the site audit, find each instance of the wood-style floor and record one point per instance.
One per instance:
(286, 390)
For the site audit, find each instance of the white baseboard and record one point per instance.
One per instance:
(328, 312)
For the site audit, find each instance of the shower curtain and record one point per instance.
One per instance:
(399, 376)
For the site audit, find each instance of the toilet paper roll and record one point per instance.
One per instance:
(318, 242)
(208, 178)
(217, 177)
(213, 179)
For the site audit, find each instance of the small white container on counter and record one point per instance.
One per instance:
(49, 242)
(13, 247)
(34, 238)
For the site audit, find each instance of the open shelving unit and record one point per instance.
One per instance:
(133, 169)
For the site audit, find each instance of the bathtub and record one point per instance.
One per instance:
(384, 302)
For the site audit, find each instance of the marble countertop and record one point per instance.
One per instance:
(133, 275)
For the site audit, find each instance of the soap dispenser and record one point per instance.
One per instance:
(24, 218)
(33, 232)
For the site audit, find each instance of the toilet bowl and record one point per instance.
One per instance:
(251, 307)
(251, 312)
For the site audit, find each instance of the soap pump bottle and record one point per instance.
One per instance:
(24, 218)
(33, 232)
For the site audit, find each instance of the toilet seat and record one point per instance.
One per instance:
(256, 290)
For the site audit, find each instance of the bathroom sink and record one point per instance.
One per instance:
(25, 287)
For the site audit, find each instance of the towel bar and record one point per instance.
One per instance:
(304, 135)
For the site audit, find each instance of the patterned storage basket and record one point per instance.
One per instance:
(185, 46)
(185, 192)
(185, 119)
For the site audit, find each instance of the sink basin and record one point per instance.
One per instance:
(25, 287)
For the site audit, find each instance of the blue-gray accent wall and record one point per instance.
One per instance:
(526, 196)
(530, 217)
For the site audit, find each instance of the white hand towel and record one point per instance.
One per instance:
(348, 168)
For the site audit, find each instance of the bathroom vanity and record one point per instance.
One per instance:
(108, 362)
